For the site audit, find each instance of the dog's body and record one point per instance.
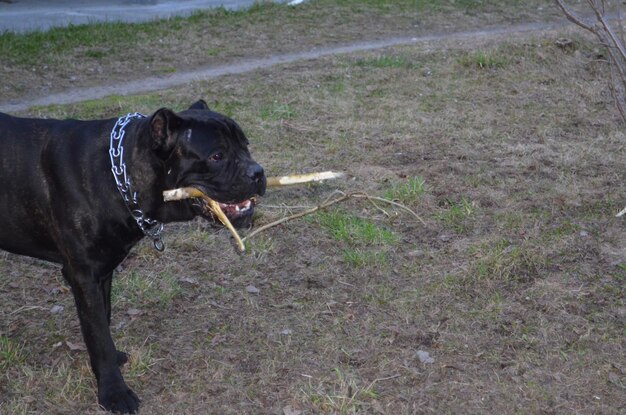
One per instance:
(59, 202)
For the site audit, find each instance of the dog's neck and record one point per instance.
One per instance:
(149, 175)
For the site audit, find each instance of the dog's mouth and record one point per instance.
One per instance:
(234, 210)
(238, 213)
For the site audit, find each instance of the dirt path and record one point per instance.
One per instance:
(247, 65)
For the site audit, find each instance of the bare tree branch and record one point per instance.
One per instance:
(615, 47)
(609, 39)
(572, 17)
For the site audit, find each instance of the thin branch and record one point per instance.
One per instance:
(572, 17)
(295, 216)
(615, 47)
(391, 202)
(329, 202)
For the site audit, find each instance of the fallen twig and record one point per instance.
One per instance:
(295, 216)
(391, 202)
(326, 204)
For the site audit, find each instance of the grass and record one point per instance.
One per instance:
(385, 61)
(146, 290)
(354, 230)
(346, 397)
(503, 262)
(457, 215)
(484, 60)
(277, 111)
(360, 258)
(515, 286)
(12, 355)
(366, 243)
(407, 192)
(87, 55)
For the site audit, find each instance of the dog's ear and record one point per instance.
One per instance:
(164, 125)
(199, 105)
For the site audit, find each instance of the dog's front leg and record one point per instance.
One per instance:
(91, 302)
(105, 286)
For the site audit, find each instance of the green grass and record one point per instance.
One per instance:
(12, 354)
(504, 262)
(363, 258)
(139, 290)
(102, 40)
(492, 59)
(341, 394)
(30, 48)
(425, 5)
(165, 70)
(355, 230)
(110, 106)
(407, 192)
(367, 242)
(95, 53)
(386, 61)
(141, 359)
(457, 215)
(277, 111)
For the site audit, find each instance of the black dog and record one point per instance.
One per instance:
(83, 193)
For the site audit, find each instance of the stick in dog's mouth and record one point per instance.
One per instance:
(236, 209)
(214, 206)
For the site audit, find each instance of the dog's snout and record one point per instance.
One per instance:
(257, 175)
(255, 172)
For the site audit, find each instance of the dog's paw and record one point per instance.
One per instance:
(122, 358)
(120, 400)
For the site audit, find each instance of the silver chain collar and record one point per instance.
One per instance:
(150, 227)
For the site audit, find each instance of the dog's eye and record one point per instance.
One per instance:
(216, 157)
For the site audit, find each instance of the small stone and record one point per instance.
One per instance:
(424, 357)
(584, 234)
(286, 332)
(134, 312)
(189, 280)
(445, 237)
(252, 289)
(57, 309)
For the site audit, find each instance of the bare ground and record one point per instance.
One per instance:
(514, 288)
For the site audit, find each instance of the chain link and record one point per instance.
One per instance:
(150, 227)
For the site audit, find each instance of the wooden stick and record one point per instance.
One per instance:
(215, 208)
(183, 193)
(191, 192)
(279, 181)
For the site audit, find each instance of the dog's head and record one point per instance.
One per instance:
(208, 151)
